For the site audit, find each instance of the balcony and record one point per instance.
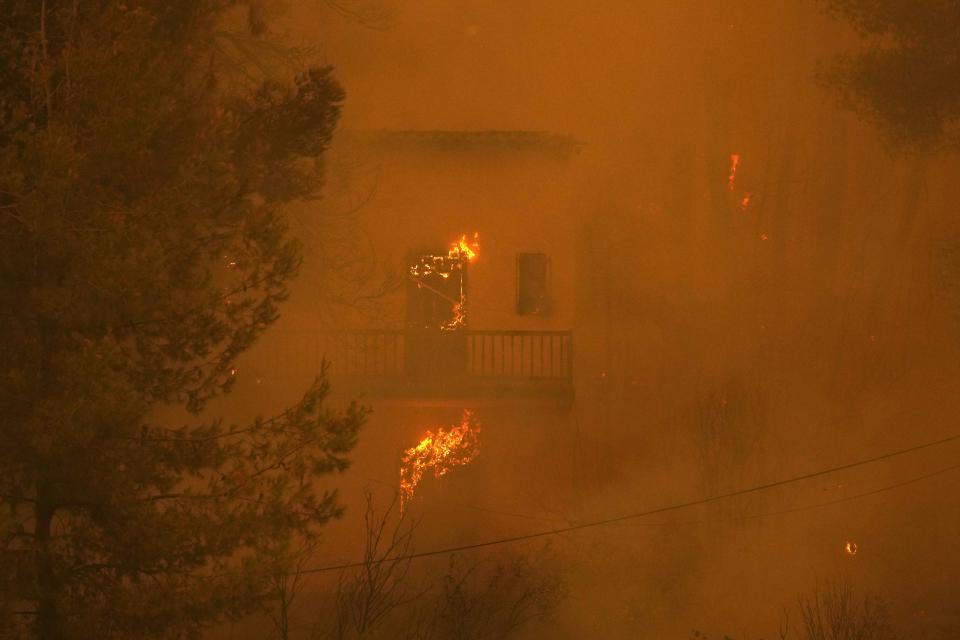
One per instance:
(444, 367)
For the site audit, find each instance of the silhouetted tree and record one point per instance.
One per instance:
(143, 246)
(383, 598)
(497, 601)
(833, 612)
(369, 594)
(906, 80)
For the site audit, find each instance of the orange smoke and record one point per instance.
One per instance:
(440, 451)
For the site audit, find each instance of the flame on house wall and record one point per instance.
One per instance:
(440, 452)
(465, 250)
(459, 318)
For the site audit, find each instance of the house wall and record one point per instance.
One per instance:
(425, 195)
(411, 192)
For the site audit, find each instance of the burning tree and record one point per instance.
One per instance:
(143, 246)
(440, 451)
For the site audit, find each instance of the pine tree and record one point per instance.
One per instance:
(143, 247)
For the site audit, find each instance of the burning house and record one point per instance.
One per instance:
(475, 231)
(468, 243)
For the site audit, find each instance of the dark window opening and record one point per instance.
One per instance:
(533, 296)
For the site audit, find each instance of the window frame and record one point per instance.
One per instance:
(534, 305)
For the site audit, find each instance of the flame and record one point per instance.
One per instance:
(745, 201)
(850, 548)
(460, 251)
(734, 163)
(463, 250)
(440, 451)
(459, 318)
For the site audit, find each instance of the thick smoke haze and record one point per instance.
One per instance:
(731, 330)
(474, 319)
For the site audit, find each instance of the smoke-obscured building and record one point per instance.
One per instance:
(469, 237)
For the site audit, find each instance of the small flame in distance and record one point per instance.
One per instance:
(850, 548)
(734, 163)
(440, 451)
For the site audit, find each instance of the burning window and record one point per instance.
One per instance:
(437, 287)
(532, 284)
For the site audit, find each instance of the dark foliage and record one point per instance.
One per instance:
(143, 246)
(906, 80)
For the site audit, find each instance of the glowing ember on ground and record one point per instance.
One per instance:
(440, 451)
(734, 163)
(850, 548)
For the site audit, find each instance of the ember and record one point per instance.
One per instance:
(440, 451)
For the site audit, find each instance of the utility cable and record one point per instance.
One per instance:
(664, 509)
(751, 516)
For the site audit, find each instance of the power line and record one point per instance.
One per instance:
(673, 507)
(817, 505)
(752, 516)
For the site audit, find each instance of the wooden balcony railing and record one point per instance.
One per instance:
(520, 354)
(544, 355)
(424, 366)
(379, 353)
